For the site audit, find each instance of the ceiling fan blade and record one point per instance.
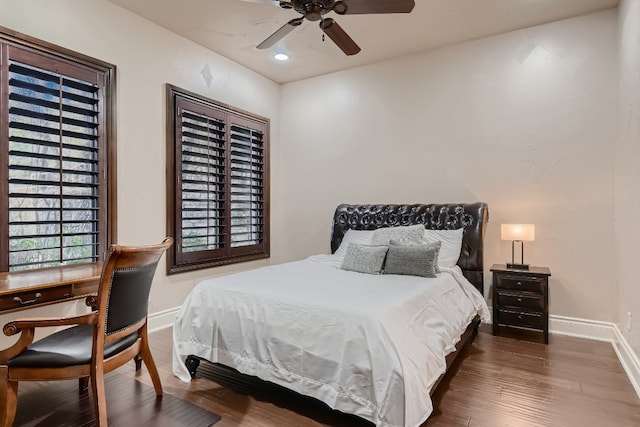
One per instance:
(356, 7)
(280, 33)
(339, 36)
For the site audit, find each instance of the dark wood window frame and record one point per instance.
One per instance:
(44, 60)
(217, 183)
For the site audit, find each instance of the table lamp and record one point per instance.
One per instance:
(518, 233)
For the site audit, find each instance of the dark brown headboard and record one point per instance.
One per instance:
(450, 216)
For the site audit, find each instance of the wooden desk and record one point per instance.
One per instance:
(36, 288)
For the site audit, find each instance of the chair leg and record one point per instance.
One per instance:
(138, 362)
(146, 356)
(8, 398)
(83, 384)
(99, 397)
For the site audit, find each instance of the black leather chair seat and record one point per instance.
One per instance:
(69, 347)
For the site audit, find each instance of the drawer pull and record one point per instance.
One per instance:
(519, 299)
(19, 300)
(520, 316)
(519, 284)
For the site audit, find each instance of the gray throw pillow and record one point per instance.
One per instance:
(423, 242)
(418, 260)
(412, 233)
(364, 258)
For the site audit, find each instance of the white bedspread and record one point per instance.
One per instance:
(369, 345)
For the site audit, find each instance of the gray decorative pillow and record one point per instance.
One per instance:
(411, 233)
(423, 242)
(419, 260)
(364, 258)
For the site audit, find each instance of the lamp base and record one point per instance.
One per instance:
(517, 266)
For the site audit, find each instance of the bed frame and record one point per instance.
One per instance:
(472, 216)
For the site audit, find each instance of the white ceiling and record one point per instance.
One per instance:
(233, 28)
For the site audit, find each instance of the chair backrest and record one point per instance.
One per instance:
(125, 284)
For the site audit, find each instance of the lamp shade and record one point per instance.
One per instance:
(524, 232)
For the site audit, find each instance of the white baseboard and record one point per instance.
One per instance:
(582, 328)
(628, 359)
(162, 319)
(601, 331)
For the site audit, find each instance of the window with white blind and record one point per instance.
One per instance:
(55, 128)
(218, 183)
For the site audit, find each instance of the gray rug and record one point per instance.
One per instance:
(130, 403)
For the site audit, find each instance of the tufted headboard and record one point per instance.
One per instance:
(472, 216)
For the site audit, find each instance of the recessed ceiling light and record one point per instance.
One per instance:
(281, 56)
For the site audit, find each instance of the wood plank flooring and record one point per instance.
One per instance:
(498, 381)
(130, 404)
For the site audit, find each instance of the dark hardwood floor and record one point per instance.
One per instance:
(498, 381)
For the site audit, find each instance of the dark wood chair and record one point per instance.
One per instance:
(96, 343)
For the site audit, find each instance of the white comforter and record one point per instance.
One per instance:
(369, 345)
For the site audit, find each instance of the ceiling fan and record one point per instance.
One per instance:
(315, 10)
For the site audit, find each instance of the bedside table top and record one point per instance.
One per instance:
(539, 271)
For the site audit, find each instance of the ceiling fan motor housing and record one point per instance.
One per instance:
(313, 10)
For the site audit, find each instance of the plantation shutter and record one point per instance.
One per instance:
(246, 184)
(202, 166)
(54, 168)
(219, 183)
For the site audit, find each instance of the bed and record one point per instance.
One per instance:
(372, 345)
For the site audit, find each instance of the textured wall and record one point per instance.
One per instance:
(627, 194)
(146, 57)
(525, 121)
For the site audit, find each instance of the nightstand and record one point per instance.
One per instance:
(521, 298)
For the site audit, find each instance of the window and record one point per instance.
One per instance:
(56, 126)
(218, 183)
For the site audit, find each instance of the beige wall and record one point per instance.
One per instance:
(524, 121)
(627, 188)
(147, 57)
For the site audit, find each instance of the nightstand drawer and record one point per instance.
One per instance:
(520, 283)
(521, 300)
(29, 298)
(520, 318)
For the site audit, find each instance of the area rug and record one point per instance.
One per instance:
(130, 403)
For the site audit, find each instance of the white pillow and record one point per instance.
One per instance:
(409, 233)
(354, 236)
(451, 245)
